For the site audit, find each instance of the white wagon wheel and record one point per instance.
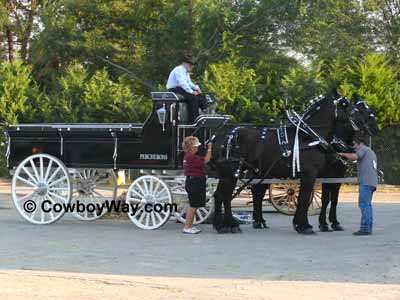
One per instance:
(41, 179)
(149, 193)
(284, 197)
(202, 213)
(92, 187)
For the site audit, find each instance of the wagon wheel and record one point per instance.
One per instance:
(284, 198)
(202, 213)
(41, 180)
(149, 193)
(92, 187)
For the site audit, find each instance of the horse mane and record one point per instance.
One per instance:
(313, 107)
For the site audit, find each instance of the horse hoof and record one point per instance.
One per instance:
(324, 228)
(306, 231)
(236, 229)
(224, 229)
(337, 227)
(257, 225)
(260, 225)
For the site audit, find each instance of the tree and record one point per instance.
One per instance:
(14, 85)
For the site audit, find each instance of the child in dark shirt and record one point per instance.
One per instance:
(195, 185)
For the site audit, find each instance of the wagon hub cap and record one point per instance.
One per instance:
(290, 192)
(41, 189)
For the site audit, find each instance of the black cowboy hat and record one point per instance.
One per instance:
(188, 58)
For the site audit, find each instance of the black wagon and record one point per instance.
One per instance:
(76, 163)
(70, 163)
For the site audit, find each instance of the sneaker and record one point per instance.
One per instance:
(192, 230)
(361, 233)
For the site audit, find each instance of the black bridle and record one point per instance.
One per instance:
(364, 123)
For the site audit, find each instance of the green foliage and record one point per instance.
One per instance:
(107, 101)
(14, 84)
(301, 85)
(96, 98)
(377, 82)
(233, 86)
(380, 87)
(387, 148)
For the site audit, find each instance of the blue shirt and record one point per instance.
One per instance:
(179, 77)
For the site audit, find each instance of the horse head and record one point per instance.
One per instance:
(344, 131)
(363, 118)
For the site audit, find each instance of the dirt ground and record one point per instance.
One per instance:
(112, 259)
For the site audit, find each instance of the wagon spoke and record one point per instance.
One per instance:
(25, 197)
(153, 219)
(48, 170)
(57, 181)
(137, 194)
(162, 192)
(143, 213)
(159, 199)
(26, 181)
(25, 188)
(156, 188)
(141, 190)
(53, 175)
(158, 217)
(204, 210)
(34, 170)
(41, 167)
(30, 175)
(134, 200)
(146, 188)
(58, 197)
(147, 222)
(62, 188)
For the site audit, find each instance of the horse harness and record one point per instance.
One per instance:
(230, 149)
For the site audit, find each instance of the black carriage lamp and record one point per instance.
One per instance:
(162, 115)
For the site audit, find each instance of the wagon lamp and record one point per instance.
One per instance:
(162, 113)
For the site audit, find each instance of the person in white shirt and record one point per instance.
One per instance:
(179, 82)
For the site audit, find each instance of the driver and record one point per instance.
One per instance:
(179, 82)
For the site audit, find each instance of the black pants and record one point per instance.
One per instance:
(196, 189)
(193, 101)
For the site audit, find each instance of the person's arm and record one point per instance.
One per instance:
(182, 81)
(193, 86)
(349, 156)
(208, 156)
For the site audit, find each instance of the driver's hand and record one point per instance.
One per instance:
(196, 93)
(199, 92)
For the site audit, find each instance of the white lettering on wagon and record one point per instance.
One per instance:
(147, 156)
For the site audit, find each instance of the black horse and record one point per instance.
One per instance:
(363, 120)
(247, 149)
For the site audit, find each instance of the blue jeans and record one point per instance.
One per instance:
(365, 204)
